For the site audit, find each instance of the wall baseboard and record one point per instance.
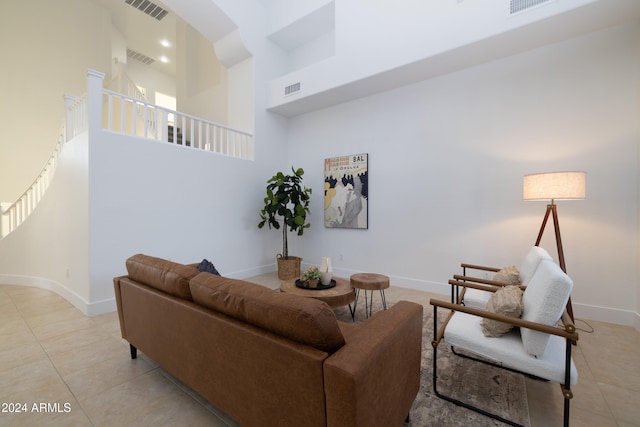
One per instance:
(581, 311)
(606, 314)
(87, 308)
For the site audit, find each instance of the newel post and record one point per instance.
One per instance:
(94, 99)
(69, 100)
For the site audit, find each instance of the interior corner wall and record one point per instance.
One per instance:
(446, 161)
(241, 96)
(50, 249)
(201, 88)
(46, 53)
(151, 79)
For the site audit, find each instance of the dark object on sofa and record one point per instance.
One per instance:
(207, 266)
(268, 358)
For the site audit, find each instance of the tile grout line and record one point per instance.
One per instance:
(53, 365)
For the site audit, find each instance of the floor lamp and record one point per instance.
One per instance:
(555, 186)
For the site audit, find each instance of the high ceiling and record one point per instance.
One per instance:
(145, 33)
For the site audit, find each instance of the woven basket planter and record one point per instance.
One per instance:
(288, 268)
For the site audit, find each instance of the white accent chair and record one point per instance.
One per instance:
(478, 297)
(539, 348)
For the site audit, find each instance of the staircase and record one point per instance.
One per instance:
(130, 115)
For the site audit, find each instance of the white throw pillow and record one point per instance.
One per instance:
(544, 301)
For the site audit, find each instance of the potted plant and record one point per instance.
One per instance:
(312, 276)
(287, 201)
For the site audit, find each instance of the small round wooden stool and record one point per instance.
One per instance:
(369, 282)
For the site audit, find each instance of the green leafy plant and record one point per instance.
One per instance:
(312, 273)
(287, 200)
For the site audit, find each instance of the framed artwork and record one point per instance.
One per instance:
(346, 192)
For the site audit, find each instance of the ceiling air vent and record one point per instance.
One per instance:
(516, 6)
(150, 8)
(292, 89)
(140, 57)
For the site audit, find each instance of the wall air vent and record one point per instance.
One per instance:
(292, 89)
(516, 6)
(140, 57)
(148, 7)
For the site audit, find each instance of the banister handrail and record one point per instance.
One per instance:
(170, 111)
(129, 115)
(24, 204)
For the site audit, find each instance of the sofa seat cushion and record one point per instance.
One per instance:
(304, 320)
(166, 276)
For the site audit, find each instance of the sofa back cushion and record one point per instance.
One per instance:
(166, 276)
(544, 301)
(304, 320)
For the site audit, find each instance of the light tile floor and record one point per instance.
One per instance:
(61, 368)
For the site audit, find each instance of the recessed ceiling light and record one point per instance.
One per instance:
(164, 59)
(165, 43)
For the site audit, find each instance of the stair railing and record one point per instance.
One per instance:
(17, 212)
(123, 84)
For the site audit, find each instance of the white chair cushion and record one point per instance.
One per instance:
(465, 331)
(544, 301)
(530, 263)
(476, 298)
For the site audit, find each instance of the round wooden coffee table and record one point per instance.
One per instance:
(340, 295)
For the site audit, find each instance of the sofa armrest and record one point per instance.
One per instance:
(374, 378)
(116, 289)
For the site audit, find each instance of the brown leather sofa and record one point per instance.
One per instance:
(267, 358)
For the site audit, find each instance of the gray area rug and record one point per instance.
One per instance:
(492, 389)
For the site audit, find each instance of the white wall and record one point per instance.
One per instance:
(152, 80)
(201, 78)
(51, 248)
(373, 37)
(447, 157)
(45, 51)
(241, 95)
(169, 201)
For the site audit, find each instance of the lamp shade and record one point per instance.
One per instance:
(555, 186)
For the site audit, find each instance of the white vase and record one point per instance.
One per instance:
(325, 278)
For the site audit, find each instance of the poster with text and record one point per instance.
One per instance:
(346, 192)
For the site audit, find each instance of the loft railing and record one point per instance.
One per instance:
(124, 85)
(125, 114)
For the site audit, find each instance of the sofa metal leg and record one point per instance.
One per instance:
(134, 351)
